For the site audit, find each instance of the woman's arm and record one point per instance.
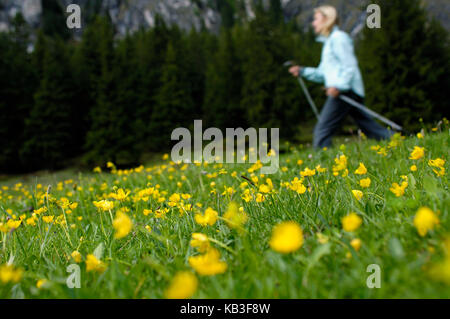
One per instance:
(313, 74)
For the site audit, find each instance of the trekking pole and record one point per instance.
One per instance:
(370, 112)
(305, 90)
(348, 100)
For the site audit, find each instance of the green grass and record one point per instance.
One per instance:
(142, 264)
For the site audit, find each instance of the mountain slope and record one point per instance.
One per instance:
(130, 15)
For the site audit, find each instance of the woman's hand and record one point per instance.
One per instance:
(333, 92)
(295, 70)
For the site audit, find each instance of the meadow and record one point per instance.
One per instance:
(208, 230)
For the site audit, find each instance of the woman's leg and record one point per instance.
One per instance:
(330, 117)
(368, 125)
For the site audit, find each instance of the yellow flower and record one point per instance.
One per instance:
(93, 264)
(382, 151)
(308, 172)
(441, 172)
(31, 221)
(351, 222)
(397, 189)
(122, 224)
(121, 195)
(104, 205)
(8, 273)
(175, 198)
(341, 164)
(200, 241)
(413, 168)
(361, 170)
(234, 216)
(425, 220)
(48, 219)
(246, 196)
(357, 193)
(209, 218)
(365, 182)
(264, 188)
(209, 263)
(76, 256)
(321, 238)
(40, 210)
(297, 186)
(287, 237)
(356, 244)
(183, 286)
(417, 153)
(419, 135)
(321, 169)
(438, 162)
(97, 170)
(147, 212)
(40, 283)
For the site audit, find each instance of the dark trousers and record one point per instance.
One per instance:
(332, 114)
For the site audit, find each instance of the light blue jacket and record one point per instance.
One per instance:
(338, 66)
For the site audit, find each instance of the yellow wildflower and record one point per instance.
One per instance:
(425, 220)
(209, 263)
(9, 273)
(361, 170)
(40, 283)
(356, 244)
(93, 264)
(76, 256)
(308, 172)
(183, 286)
(397, 189)
(122, 224)
(104, 205)
(351, 222)
(357, 193)
(417, 153)
(234, 216)
(286, 237)
(321, 238)
(209, 218)
(365, 182)
(48, 219)
(200, 241)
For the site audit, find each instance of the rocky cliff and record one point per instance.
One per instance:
(129, 15)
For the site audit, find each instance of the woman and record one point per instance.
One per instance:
(339, 71)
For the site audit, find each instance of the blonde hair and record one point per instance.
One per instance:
(331, 16)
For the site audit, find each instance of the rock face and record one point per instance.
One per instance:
(130, 15)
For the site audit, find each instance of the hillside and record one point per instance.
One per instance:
(130, 15)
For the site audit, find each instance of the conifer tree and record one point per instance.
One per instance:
(405, 64)
(173, 102)
(54, 20)
(17, 84)
(222, 106)
(49, 126)
(100, 142)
